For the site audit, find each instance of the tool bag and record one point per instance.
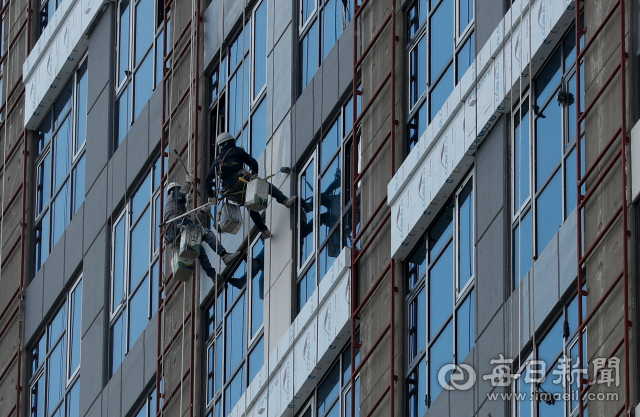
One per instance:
(182, 267)
(230, 218)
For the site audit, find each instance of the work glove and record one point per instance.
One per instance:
(190, 179)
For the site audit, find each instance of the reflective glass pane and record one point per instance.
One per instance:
(440, 354)
(237, 282)
(118, 340)
(441, 291)
(417, 390)
(260, 49)
(156, 225)
(143, 84)
(569, 46)
(259, 130)
(118, 262)
(306, 287)
(331, 25)
(123, 114)
(572, 316)
(465, 221)
(256, 359)
(465, 322)
(549, 392)
(75, 310)
(210, 373)
(234, 391)
(60, 212)
(159, 58)
(416, 265)
(235, 52)
(442, 91)
(307, 187)
(441, 33)
(309, 55)
(154, 288)
(466, 14)
(328, 390)
(441, 231)
(78, 184)
(219, 370)
(417, 325)
(246, 97)
(306, 9)
(37, 398)
(571, 184)
(58, 326)
(523, 408)
(138, 312)
(73, 400)
(329, 253)
(521, 157)
(235, 102)
(42, 249)
(551, 345)
(63, 104)
(330, 144)
(522, 248)
(123, 57)
(549, 78)
(257, 286)
(330, 205)
(56, 376)
(140, 244)
(467, 54)
(548, 143)
(61, 154)
(44, 133)
(141, 198)
(44, 183)
(235, 340)
(144, 30)
(573, 103)
(549, 211)
(81, 107)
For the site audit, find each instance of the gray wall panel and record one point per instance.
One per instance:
(133, 376)
(74, 245)
(330, 94)
(345, 59)
(490, 281)
(95, 279)
(488, 14)
(96, 408)
(439, 405)
(489, 345)
(491, 168)
(99, 140)
(33, 305)
(304, 122)
(92, 362)
(283, 18)
(155, 119)
(212, 30)
(546, 289)
(282, 83)
(53, 276)
(101, 51)
(114, 404)
(118, 176)
(317, 101)
(568, 252)
(151, 348)
(232, 12)
(96, 208)
(137, 146)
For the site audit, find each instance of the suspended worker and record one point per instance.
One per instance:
(175, 206)
(229, 167)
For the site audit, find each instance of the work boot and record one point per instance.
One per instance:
(266, 234)
(229, 258)
(288, 203)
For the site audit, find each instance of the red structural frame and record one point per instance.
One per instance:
(11, 315)
(382, 213)
(618, 141)
(170, 58)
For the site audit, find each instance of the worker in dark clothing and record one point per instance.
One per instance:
(229, 166)
(176, 206)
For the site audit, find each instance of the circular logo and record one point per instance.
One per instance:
(461, 377)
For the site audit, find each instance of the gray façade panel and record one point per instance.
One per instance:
(74, 245)
(54, 277)
(33, 305)
(95, 279)
(92, 362)
(304, 121)
(137, 147)
(95, 203)
(133, 375)
(282, 75)
(330, 93)
(546, 288)
(99, 141)
(101, 53)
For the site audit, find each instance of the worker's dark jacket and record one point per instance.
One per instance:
(231, 159)
(176, 205)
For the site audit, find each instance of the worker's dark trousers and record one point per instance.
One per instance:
(256, 217)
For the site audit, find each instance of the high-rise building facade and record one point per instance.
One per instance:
(463, 240)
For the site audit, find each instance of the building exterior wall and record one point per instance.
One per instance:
(299, 348)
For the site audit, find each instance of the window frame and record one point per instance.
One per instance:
(122, 311)
(72, 117)
(568, 144)
(218, 337)
(71, 378)
(422, 288)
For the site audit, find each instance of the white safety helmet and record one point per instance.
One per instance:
(172, 186)
(224, 137)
